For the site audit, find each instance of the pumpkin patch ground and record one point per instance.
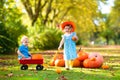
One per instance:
(109, 70)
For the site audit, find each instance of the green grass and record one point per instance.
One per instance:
(9, 64)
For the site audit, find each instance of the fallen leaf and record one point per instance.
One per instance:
(29, 74)
(10, 74)
(112, 73)
(21, 75)
(35, 72)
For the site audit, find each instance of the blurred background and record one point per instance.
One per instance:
(97, 22)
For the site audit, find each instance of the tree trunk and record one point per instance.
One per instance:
(107, 40)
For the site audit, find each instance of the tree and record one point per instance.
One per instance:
(10, 26)
(52, 12)
(115, 21)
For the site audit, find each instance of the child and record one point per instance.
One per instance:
(68, 39)
(23, 52)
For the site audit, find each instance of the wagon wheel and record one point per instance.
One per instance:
(24, 67)
(39, 67)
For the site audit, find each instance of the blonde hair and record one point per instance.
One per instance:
(23, 38)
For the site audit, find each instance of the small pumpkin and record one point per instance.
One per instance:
(58, 56)
(95, 60)
(74, 38)
(105, 67)
(76, 63)
(37, 56)
(55, 57)
(82, 55)
(52, 62)
(58, 70)
(60, 62)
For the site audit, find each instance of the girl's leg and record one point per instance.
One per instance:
(67, 64)
(71, 64)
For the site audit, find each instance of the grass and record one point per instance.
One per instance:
(10, 68)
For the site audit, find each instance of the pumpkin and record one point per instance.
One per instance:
(74, 38)
(105, 67)
(52, 62)
(94, 60)
(89, 63)
(55, 57)
(58, 56)
(76, 63)
(37, 56)
(60, 62)
(58, 70)
(82, 55)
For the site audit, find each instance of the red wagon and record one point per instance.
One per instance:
(24, 63)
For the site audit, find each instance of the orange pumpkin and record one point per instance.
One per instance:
(74, 38)
(55, 57)
(37, 56)
(76, 63)
(58, 70)
(88, 63)
(52, 62)
(105, 67)
(82, 55)
(94, 60)
(58, 56)
(60, 62)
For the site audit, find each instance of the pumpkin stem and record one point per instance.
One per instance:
(79, 49)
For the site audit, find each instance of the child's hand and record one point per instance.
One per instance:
(23, 56)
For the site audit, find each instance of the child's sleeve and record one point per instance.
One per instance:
(20, 48)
